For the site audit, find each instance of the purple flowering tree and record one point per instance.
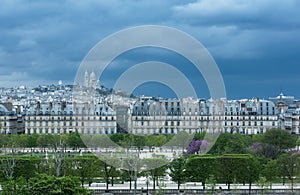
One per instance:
(255, 146)
(196, 146)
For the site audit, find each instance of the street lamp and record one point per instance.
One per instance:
(147, 182)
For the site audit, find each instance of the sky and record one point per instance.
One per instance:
(255, 43)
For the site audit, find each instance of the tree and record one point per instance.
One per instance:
(16, 186)
(281, 139)
(83, 167)
(100, 141)
(74, 140)
(3, 140)
(250, 169)
(273, 143)
(229, 169)
(181, 140)
(231, 144)
(271, 171)
(129, 166)
(32, 140)
(131, 140)
(200, 136)
(157, 167)
(45, 184)
(257, 138)
(20, 140)
(290, 167)
(196, 146)
(57, 141)
(25, 167)
(114, 174)
(265, 150)
(200, 168)
(155, 140)
(178, 171)
(42, 141)
(107, 170)
(126, 175)
(58, 158)
(8, 163)
(298, 143)
(117, 138)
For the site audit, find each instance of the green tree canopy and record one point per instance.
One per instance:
(200, 168)
(231, 144)
(45, 184)
(282, 139)
(178, 171)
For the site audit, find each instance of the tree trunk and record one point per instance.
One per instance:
(130, 184)
(112, 181)
(58, 167)
(154, 183)
(228, 185)
(107, 182)
(178, 185)
(250, 185)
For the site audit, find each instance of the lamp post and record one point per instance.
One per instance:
(147, 182)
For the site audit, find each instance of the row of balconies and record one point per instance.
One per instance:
(204, 118)
(201, 124)
(106, 130)
(58, 118)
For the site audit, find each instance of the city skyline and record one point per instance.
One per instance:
(254, 43)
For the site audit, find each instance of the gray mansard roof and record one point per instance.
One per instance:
(68, 108)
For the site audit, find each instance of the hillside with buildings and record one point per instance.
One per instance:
(91, 109)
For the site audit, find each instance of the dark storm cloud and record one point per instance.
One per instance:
(261, 14)
(255, 43)
(44, 41)
(40, 37)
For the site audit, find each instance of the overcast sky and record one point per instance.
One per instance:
(255, 43)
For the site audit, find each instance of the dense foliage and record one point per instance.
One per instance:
(234, 158)
(44, 184)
